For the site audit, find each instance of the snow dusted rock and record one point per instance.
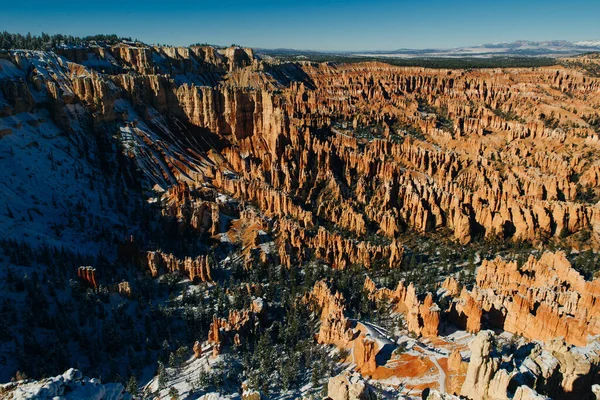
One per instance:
(212, 396)
(72, 374)
(596, 391)
(556, 369)
(258, 305)
(433, 394)
(349, 387)
(526, 393)
(70, 385)
(251, 395)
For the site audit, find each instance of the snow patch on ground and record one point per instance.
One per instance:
(51, 194)
(70, 385)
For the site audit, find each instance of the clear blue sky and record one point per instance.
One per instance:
(311, 24)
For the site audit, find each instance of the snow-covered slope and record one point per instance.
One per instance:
(52, 193)
(70, 385)
(64, 181)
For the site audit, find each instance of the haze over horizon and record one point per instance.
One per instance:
(316, 25)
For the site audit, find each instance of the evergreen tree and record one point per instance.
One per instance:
(162, 376)
(132, 385)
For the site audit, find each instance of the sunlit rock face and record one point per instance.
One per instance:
(558, 370)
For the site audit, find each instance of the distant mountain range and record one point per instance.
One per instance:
(521, 48)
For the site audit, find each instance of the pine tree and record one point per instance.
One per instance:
(162, 376)
(315, 375)
(132, 385)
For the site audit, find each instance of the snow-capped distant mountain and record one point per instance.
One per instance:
(588, 43)
(526, 48)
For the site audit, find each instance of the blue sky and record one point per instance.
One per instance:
(311, 24)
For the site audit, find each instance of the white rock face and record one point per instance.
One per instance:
(596, 391)
(437, 395)
(349, 387)
(70, 385)
(527, 393)
(482, 367)
(212, 396)
(552, 368)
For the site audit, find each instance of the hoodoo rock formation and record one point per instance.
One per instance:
(466, 312)
(121, 288)
(232, 329)
(482, 368)
(557, 371)
(197, 349)
(543, 299)
(335, 327)
(349, 387)
(88, 275)
(422, 316)
(341, 138)
(365, 349)
(455, 360)
(194, 268)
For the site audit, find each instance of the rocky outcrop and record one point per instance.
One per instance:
(364, 351)
(343, 159)
(543, 299)
(451, 286)
(121, 288)
(429, 394)
(428, 320)
(297, 244)
(196, 269)
(191, 211)
(197, 349)
(466, 312)
(531, 371)
(251, 395)
(70, 385)
(368, 148)
(233, 329)
(335, 327)
(216, 335)
(526, 393)
(482, 367)
(88, 275)
(455, 361)
(578, 370)
(422, 316)
(349, 387)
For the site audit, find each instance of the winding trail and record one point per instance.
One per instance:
(433, 356)
(442, 378)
